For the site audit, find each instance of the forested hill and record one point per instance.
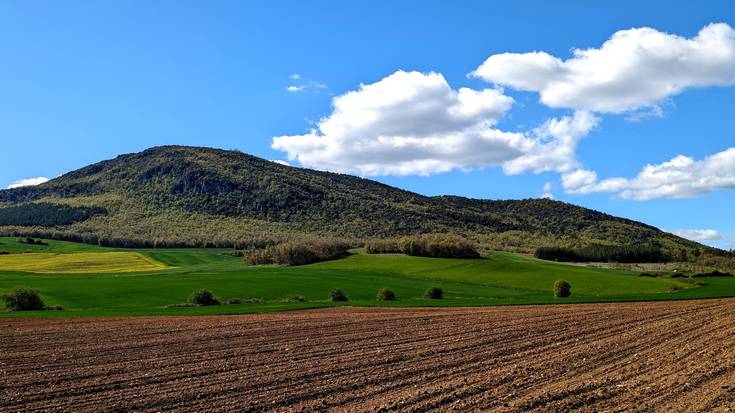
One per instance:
(175, 195)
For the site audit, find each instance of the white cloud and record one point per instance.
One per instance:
(409, 123)
(555, 146)
(415, 123)
(28, 182)
(310, 85)
(280, 162)
(634, 69)
(699, 235)
(681, 177)
(295, 76)
(547, 191)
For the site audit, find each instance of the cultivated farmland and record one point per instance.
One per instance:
(665, 356)
(79, 263)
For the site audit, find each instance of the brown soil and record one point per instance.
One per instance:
(667, 356)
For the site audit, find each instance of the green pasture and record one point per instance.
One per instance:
(499, 279)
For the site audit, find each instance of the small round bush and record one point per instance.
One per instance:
(434, 293)
(562, 289)
(203, 297)
(295, 299)
(337, 295)
(23, 299)
(386, 294)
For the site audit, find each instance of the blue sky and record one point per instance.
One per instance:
(86, 81)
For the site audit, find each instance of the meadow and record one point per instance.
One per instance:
(119, 282)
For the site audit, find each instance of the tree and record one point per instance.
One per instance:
(562, 289)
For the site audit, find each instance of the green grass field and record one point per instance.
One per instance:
(499, 279)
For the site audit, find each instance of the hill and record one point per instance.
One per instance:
(190, 196)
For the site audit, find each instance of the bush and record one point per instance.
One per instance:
(298, 253)
(203, 297)
(181, 305)
(389, 246)
(434, 293)
(562, 289)
(427, 245)
(295, 299)
(258, 257)
(714, 273)
(23, 299)
(674, 288)
(337, 295)
(31, 241)
(386, 294)
(244, 300)
(55, 308)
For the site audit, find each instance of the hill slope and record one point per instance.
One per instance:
(176, 195)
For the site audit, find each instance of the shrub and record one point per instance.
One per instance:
(298, 253)
(23, 299)
(674, 288)
(31, 241)
(337, 295)
(427, 245)
(295, 298)
(386, 294)
(434, 293)
(244, 300)
(258, 257)
(562, 289)
(714, 273)
(55, 308)
(181, 305)
(203, 297)
(389, 246)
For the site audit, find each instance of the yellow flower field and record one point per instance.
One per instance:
(79, 263)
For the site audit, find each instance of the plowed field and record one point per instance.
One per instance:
(664, 356)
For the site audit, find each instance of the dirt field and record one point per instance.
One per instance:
(668, 356)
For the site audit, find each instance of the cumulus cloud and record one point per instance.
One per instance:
(415, 123)
(555, 146)
(699, 235)
(28, 182)
(680, 177)
(409, 123)
(634, 69)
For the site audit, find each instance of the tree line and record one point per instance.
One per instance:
(426, 245)
(604, 253)
(46, 215)
(297, 252)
